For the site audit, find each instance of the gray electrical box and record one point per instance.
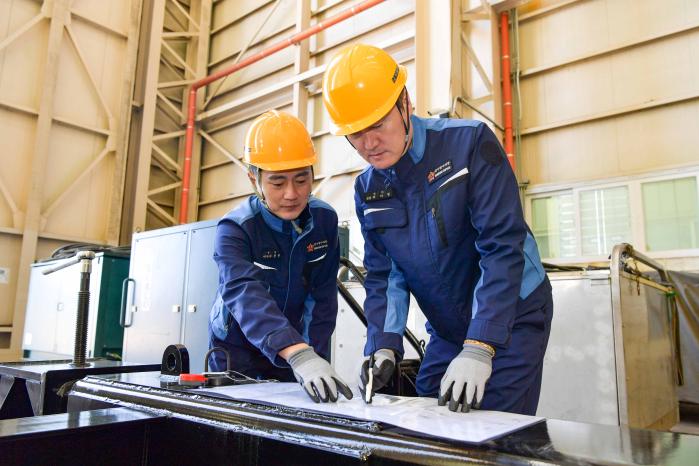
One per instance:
(171, 286)
(49, 329)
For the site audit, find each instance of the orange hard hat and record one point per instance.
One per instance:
(278, 141)
(360, 85)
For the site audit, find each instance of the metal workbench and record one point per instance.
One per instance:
(226, 430)
(31, 388)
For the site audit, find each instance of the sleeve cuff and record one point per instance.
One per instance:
(490, 332)
(279, 340)
(388, 340)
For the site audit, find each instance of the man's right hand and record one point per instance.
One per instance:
(317, 377)
(384, 365)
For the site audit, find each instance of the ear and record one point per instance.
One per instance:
(252, 179)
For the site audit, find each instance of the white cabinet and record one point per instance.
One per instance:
(173, 282)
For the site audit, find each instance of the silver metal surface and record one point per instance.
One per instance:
(579, 380)
(173, 269)
(52, 301)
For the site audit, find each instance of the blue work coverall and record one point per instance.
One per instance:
(445, 223)
(276, 287)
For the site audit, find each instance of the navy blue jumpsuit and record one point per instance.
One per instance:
(445, 223)
(276, 287)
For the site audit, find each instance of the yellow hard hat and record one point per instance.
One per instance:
(278, 141)
(360, 85)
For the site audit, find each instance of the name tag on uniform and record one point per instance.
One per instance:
(381, 195)
(271, 254)
(438, 172)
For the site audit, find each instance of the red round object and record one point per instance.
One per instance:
(192, 378)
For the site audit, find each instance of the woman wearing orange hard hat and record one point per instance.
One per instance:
(278, 256)
(444, 187)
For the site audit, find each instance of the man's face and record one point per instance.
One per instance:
(286, 192)
(382, 143)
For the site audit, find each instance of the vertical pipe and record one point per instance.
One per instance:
(191, 107)
(189, 143)
(506, 87)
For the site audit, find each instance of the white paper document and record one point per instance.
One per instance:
(421, 415)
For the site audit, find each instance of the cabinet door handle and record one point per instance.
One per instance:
(192, 308)
(124, 296)
(176, 308)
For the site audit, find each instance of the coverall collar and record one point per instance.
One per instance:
(305, 220)
(417, 148)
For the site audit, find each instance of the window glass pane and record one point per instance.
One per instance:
(605, 220)
(553, 225)
(671, 214)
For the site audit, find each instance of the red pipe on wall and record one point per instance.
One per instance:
(191, 103)
(506, 87)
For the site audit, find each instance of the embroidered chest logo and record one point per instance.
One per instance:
(439, 172)
(317, 246)
(381, 195)
(271, 254)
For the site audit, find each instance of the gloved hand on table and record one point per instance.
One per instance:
(464, 381)
(384, 365)
(317, 377)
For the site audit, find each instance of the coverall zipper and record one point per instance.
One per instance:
(435, 205)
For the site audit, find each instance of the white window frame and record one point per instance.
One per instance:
(633, 184)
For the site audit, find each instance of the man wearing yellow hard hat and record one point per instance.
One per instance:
(441, 218)
(278, 256)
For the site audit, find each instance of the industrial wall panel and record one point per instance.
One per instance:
(63, 96)
(231, 138)
(610, 87)
(589, 25)
(640, 142)
(219, 209)
(20, 66)
(392, 23)
(16, 172)
(655, 71)
(9, 260)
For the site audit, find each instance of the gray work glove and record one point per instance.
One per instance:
(464, 381)
(317, 377)
(384, 365)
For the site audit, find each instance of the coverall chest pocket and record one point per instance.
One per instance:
(311, 269)
(389, 221)
(446, 209)
(272, 274)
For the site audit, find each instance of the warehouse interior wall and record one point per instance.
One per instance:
(66, 78)
(94, 100)
(609, 147)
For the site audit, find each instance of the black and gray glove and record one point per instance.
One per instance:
(464, 381)
(384, 365)
(317, 377)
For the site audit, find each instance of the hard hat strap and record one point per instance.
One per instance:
(257, 185)
(407, 125)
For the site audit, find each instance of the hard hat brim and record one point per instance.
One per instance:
(286, 165)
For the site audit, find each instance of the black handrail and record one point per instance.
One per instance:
(359, 312)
